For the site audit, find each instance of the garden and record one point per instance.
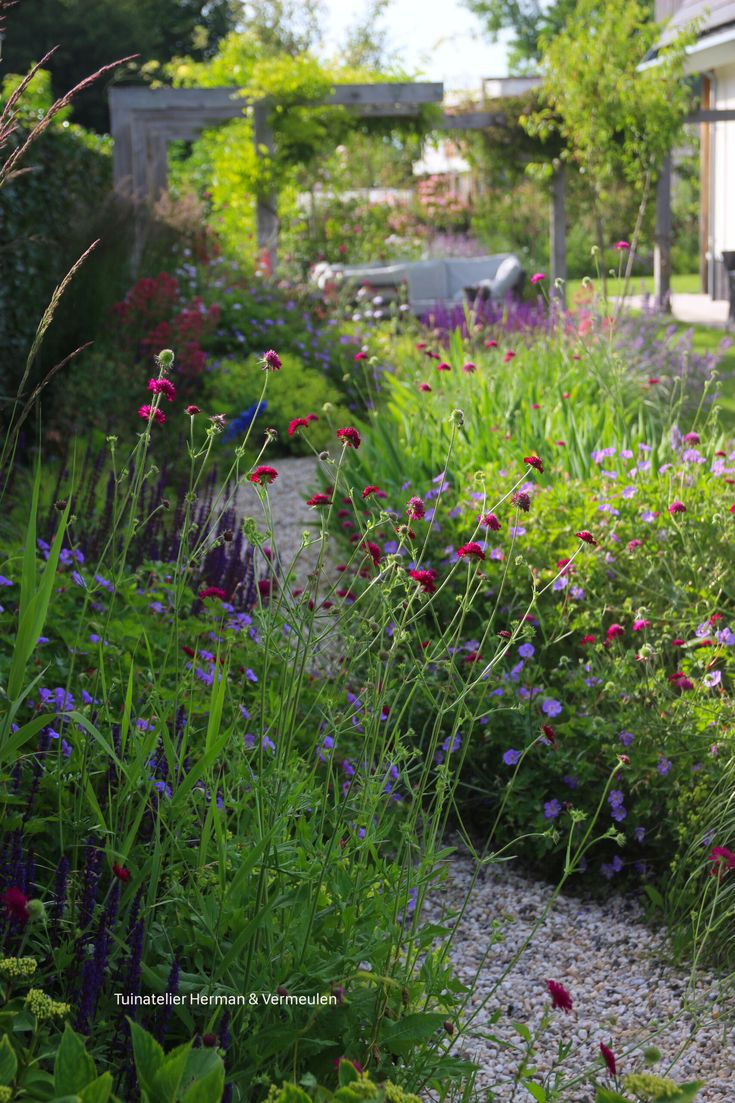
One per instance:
(366, 714)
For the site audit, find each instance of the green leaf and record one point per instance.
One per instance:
(347, 1072)
(605, 1095)
(170, 1074)
(522, 1029)
(535, 1090)
(149, 1057)
(99, 1091)
(8, 1062)
(207, 1087)
(73, 1067)
(687, 1092)
(402, 1036)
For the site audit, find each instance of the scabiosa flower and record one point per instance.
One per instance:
(609, 1058)
(191, 410)
(349, 437)
(522, 500)
(621, 245)
(537, 277)
(587, 639)
(489, 521)
(535, 462)
(424, 387)
(677, 507)
(370, 490)
(549, 734)
(416, 509)
(640, 625)
(213, 591)
(426, 579)
(560, 998)
(158, 415)
(724, 858)
(586, 536)
(491, 344)
(319, 500)
(15, 902)
(263, 475)
(361, 355)
(469, 367)
(471, 550)
(121, 873)
(372, 550)
(508, 356)
(633, 544)
(164, 387)
(443, 366)
(271, 361)
(680, 681)
(614, 631)
(301, 423)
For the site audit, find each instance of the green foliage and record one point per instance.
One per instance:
(530, 21)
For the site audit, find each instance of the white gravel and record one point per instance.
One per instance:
(616, 968)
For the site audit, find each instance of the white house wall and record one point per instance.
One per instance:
(723, 166)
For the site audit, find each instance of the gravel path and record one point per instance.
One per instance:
(616, 969)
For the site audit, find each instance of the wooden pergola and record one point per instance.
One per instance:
(145, 120)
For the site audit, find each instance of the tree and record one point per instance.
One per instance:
(529, 20)
(617, 120)
(366, 45)
(290, 27)
(93, 33)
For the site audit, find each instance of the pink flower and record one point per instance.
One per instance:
(691, 438)
(489, 521)
(537, 277)
(15, 902)
(677, 507)
(424, 387)
(426, 579)
(470, 550)
(680, 681)
(724, 858)
(271, 361)
(621, 245)
(361, 355)
(535, 462)
(522, 500)
(263, 475)
(587, 639)
(416, 509)
(491, 344)
(508, 356)
(158, 415)
(191, 410)
(443, 366)
(586, 536)
(372, 550)
(349, 437)
(639, 625)
(319, 500)
(633, 544)
(560, 998)
(164, 387)
(213, 591)
(469, 367)
(609, 1058)
(614, 631)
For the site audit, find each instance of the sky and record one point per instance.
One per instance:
(438, 38)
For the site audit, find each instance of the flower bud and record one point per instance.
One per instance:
(166, 359)
(36, 909)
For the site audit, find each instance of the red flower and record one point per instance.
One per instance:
(470, 550)
(469, 367)
(263, 475)
(732, 508)
(549, 733)
(614, 631)
(158, 415)
(505, 634)
(491, 344)
(372, 550)
(425, 578)
(415, 509)
(680, 680)
(301, 423)
(508, 356)
(319, 500)
(373, 490)
(560, 998)
(16, 905)
(535, 462)
(355, 1064)
(121, 873)
(191, 410)
(443, 366)
(489, 521)
(522, 500)
(164, 387)
(678, 642)
(609, 1058)
(724, 858)
(213, 591)
(621, 245)
(361, 355)
(586, 536)
(421, 344)
(537, 277)
(349, 437)
(588, 639)
(271, 361)
(677, 507)
(639, 625)
(424, 387)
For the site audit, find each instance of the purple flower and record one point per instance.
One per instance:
(550, 706)
(511, 756)
(639, 834)
(526, 650)
(713, 678)
(626, 738)
(552, 808)
(663, 765)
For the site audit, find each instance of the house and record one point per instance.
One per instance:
(712, 59)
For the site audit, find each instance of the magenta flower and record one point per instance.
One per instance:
(522, 500)
(349, 437)
(614, 631)
(164, 387)
(622, 245)
(158, 415)
(489, 521)
(677, 507)
(416, 509)
(586, 536)
(609, 1058)
(537, 277)
(471, 550)
(560, 998)
(263, 475)
(271, 361)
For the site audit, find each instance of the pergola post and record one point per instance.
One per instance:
(558, 233)
(662, 238)
(266, 204)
